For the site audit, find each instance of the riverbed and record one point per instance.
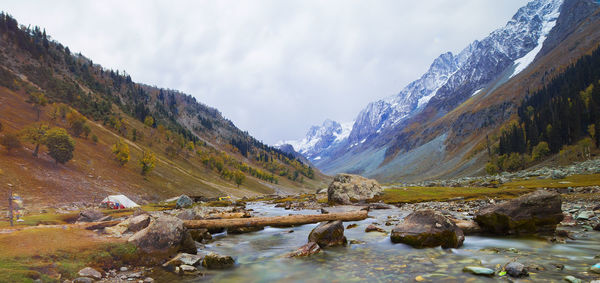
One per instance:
(372, 257)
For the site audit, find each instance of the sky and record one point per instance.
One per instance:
(274, 68)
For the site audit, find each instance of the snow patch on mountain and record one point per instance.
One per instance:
(320, 138)
(549, 23)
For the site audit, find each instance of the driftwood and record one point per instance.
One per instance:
(279, 221)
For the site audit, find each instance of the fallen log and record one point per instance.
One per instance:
(228, 215)
(279, 221)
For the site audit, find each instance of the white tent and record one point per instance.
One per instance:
(121, 200)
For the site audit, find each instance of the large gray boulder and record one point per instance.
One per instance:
(348, 188)
(184, 201)
(537, 212)
(165, 235)
(428, 228)
(328, 234)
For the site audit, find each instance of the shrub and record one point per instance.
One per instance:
(514, 162)
(60, 145)
(491, 168)
(10, 141)
(540, 151)
(95, 138)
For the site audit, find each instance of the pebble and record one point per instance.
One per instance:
(516, 269)
(572, 279)
(595, 268)
(477, 270)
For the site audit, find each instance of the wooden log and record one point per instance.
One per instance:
(279, 221)
(228, 215)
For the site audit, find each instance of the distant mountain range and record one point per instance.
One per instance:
(427, 129)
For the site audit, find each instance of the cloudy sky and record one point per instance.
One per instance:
(272, 67)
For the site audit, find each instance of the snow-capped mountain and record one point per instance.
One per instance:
(320, 138)
(480, 62)
(450, 80)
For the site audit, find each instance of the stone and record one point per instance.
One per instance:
(83, 280)
(137, 223)
(243, 230)
(535, 212)
(373, 228)
(328, 234)
(215, 261)
(557, 174)
(123, 269)
(165, 235)
(595, 268)
(184, 258)
(572, 279)
(90, 273)
(597, 227)
(90, 215)
(516, 269)
(585, 215)
(306, 250)
(184, 202)
(350, 226)
(469, 227)
(149, 280)
(379, 205)
(188, 269)
(200, 235)
(477, 270)
(348, 188)
(428, 228)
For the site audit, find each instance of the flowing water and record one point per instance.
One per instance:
(372, 257)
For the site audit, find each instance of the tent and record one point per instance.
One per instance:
(118, 202)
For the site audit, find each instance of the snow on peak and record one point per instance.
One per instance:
(319, 138)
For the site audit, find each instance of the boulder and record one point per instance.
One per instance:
(90, 273)
(516, 269)
(137, 223)
(348, 188)
(90, 215)
(306, 250)
(428, 228)
(539, 211)
(328, 234)
(215, 261)
(469, 227)
(165, 235)
(184, 201)
(188, 269)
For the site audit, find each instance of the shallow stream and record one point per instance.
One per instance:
(372, 257)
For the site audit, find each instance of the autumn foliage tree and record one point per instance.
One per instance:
(60, 145)
(35, 134)
(148, 162)
(121, 152)
(77, 123)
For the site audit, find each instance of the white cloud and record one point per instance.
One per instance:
(273, 67)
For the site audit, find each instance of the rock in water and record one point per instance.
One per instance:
(184, 201)
(348, 188)
(374, 228)
(328, 234)
(165, 235)
(516, 269)
(479, 270)
(306, 250)
(572, 279)
(90, 273)
(539, 211)
(183, 258)
(428, 228)
(200, 234)
(585, 215)
(595, 268)
(243, 230)
(215, 261)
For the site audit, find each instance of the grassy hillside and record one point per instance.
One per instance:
(198, 152)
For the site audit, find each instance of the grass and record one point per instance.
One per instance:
(507, 190)
(422, 194)
(51, 254)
